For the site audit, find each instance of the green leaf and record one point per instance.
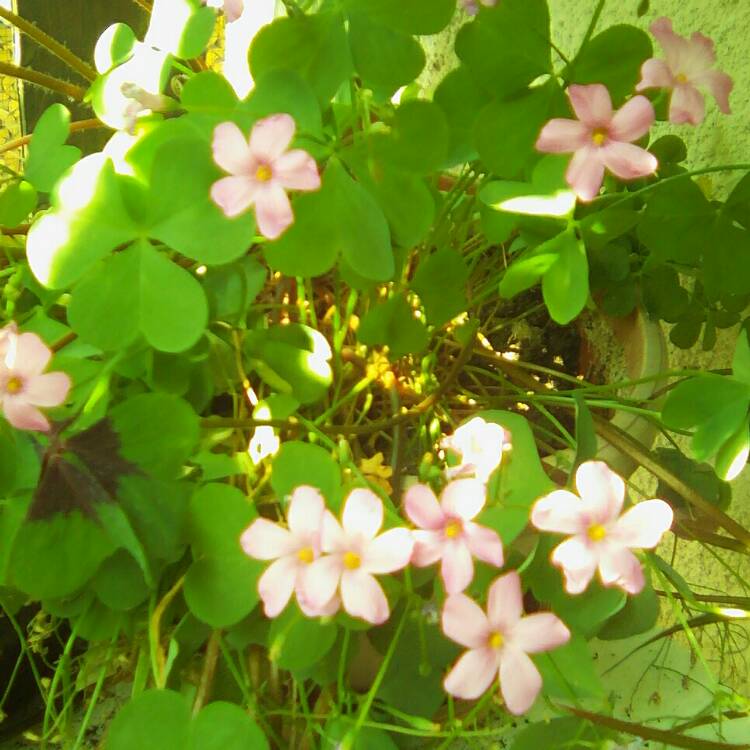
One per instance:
(461, 100)
(586, 442)
(158, 432)
(119, 582)
(726, 267)
(569, 672)
(663, 295)
(695, 401)
(731, 458)
(155, 720)
(314, 46)
(88, 219)
(393, 324)
(569, 733)
(181, 27)
(700, 476)
(440, 282)
(507, 47)
(225, 726)
(180, 210)
(293, 359)
(600, 228)
(299, 463)
(363, 235)
(48, 155)
(55, 557)
(520, 481)
(526, 271)
(219, 513)
(17, 201)
(209, 96)
(418, 141)
(414, 17)
(114, 46)
(565, 287)
(677, 222)
(296, 642)
(519, 120)
(384, 58)
(613, 58)
(738, 202)
(639, 614)
(232, 288)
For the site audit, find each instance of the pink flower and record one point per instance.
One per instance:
(140, 101)
(232, 8)
(23, 386)
(472, 6)
(689, 64)
(480, 446)
(601, 537)
(293, 551)
(448, 533)
(261, 169)
(499, 643)
(600, 138)
(355, 555)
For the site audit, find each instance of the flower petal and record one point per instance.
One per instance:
(423, 508)
(618, 566)
(297, 170)
(643, 525)
(328, 609)
(541, 631)
(233, 9)
(332, 536)
(388, 552)
(273, 212)
(320, 579)
(701, 55)
(484, 544)
(363, 513)
(505, 602)
(585, 173)
(578, 562)
(362, 597)
(233, 195)
(27, 355)
(428, 547)
(520, 681)
(49, 389)
(305, 514)
(464, 621)
(592, 104)
(265, 540)
(632, 120)
(602, 491)
(231, 150)
(560, 511)
(271, 136)
(457, 567)
(655, 74)
(719, 84)
(463, 498)
(672, 44)
(687, 105)
(472, 674)
(276, 584)
(23, 415)
(627, 161)
(561, 136)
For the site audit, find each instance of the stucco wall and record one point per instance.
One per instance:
(10, 122)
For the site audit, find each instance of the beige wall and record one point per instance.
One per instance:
(10, 123)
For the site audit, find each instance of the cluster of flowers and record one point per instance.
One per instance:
(602, 138)
(24, 385)
(262, 168)
(329, 564)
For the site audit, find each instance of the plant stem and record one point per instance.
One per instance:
(91, 124)
(648, 733)
(43, 80)
(60, 51)
(158, 660)
(209, 670)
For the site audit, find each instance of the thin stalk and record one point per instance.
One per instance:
(94, 699)
(209, 670)
(43, 80)
(60, 51)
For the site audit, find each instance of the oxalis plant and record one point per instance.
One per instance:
(264, 465)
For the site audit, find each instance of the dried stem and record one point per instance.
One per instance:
(91, 124)
(43, 80)
(50, 44)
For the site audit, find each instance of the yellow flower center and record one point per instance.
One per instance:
(597, 532)
(352, 560)
(14, 385)
(263, 173)
(495, 640)
(306, 555)
(599, 136)
(453, 529)
(681, 78)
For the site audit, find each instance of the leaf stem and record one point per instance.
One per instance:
(91, 124)
(43, 80)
